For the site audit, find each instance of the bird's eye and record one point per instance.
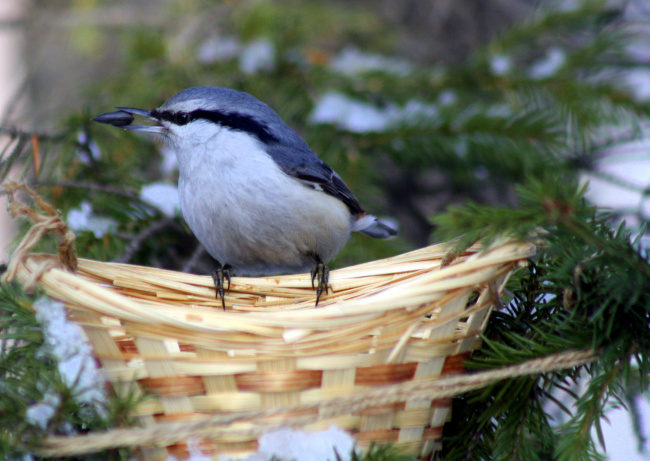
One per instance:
(182, 118)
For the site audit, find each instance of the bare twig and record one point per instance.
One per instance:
(196, 254)
(93, 186)
(19, 133)
(135, 244)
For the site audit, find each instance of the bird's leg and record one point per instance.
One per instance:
(220, 275)
(321, 273)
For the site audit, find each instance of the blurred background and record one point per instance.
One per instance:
(418, 104)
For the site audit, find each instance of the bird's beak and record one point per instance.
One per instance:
(124, 117)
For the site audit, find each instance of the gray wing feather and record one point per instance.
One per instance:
(296, 159)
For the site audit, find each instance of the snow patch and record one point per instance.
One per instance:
(500, 64)
(351, 61)
(83, 219)
(163, 196)
(549, 65)
(257, 56)
(362, 117)
(76, 364)
(218, 48)
(294, 445)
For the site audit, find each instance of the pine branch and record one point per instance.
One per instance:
(30, 377)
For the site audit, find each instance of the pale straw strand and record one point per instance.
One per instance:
(50, 221)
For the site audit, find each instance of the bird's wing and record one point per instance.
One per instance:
(316, 174)
(322, 177)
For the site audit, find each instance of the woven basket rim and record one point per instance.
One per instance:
(423, 280)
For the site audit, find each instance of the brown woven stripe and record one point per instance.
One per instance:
(279, 381)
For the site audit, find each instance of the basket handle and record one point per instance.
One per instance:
(45, 220)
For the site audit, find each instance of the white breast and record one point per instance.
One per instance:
(248, 213)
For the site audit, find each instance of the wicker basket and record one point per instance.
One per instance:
(384, 322)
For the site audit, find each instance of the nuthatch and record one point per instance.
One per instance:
(255, 195)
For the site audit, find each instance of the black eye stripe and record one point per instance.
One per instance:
(182, 118)
(177, 118)
(233, 121)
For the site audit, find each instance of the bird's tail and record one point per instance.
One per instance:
(369, 225)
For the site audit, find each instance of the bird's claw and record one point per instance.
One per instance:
(322, 273)
(220, 275)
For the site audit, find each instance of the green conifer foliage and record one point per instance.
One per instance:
(499, 145)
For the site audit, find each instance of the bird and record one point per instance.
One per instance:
(255, 195)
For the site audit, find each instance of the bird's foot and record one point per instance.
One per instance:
(321, 273)
(220, 275)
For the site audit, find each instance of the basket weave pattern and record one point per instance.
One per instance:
(384, 322)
